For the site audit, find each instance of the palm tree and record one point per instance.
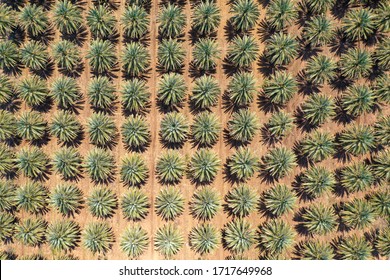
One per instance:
(206, 17)
(318, 146)
(101, 93)
(354, 248)
(135, 21)
(318, 108)
(205, 203)
(7, 160)
(280, 87)
(32, 162)
(170, 167)
(32, 198)
(317, 250)
(34, 19)
(357, 213)
(33, 90)
(321, 69)
(34, 55)
(317, 181)
(204, 166)
(380, 202)
(242, 164)
(241, 200)
(241, 89)
(242, 126)
(136, 59)
(239, 236)
(278, 162)
(99, 165)
(382, 13)
(319, 31)
(205, 54)
(171, 90)
(9, 55)
(205, 129)
(134, 171)
(355, 63)
(279, 200)
(65, 127)
(7, 89)
(281, 13)
(381, 166)
(171, 55)
(135, 132)
(205, 92)
(63, 235)
(31, 126)
(7, 226)
(102, 202)
(98, 237)
(204, 238)
(135, 96)
(382, 54)
(101, 55)
(31, 232)
(276, 236)
(319, 219)
(169, 203)
(280, 125)
(358, 99)
(8, 20)
(357, 177)
(357, 140)
(134, 241)
(281, 48)
(381, 130)
(168, 240)
(67, 55)
(67, 199)
(68, 163)
(245, 14)
(67, 17)
(383, 241)
(359, 24)
(102, 130)
(242, 51)
(172, 21)
(7, 196)
(101, 21)
(174, 128)
(7, 125)
(65, 92)
(135, 204)
(319, 6)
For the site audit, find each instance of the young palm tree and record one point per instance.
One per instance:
(381, 166)
(357, 213)
(174, 128)
(356, 63)
(135, 132)
(65, 127)
(354, 248)
(245, 14)
(67, 55)
(280, 87)
(205, 203)
(320, 69)
(168, 240)
(134, 171)
(31, 232)
(136, 59)
(357, 177)
(101, 93)
(135, 21)
(357, 140)
(281, 13)
(68, 163)
(34, 19)
(32, 162)
(101, 55)
(102, 130)
(358, 99)
(380, 202)
(204, 238)
(206, 53)
(279, 200)
(31, 126)
(102, 202)
(239, 236)
(34, 55)
(172, 21)
(205, 92)
(204, 166)
(318, 109)
(318, 146)
(242, 164)
(317, 250)
(381, 130)
(206, 17)
(383, 242)
(32, 197)
(241, 89)
(319, 31)
(67, 17)
(359, 24)
(101, 21)
(169, 203)
(7, 226)
(8, 20)
(171, 90)
(242, 51)
(135, 96)
(67, 199)
(63, 235)
(170, 167)
(9, 55)
(7, 160)
(319, 219)
(205, 129)
(98, 237)
(65, 92)
(382, 16)
(171, 55)
(99, 165)
(319, 6)
(7, 196)
(382, 54)
(243, 126)
(7, 89)
(317, 181)
(281, 48)
(278, 162)
(241, 201)
(276, 236)
(33, 90)
(279, 125)
(134, 241)
(7, 125)
(135, 204)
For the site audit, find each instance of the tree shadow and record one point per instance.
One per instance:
(342, 227)
(109, 110)
(338, 189)
(228, 105)
(74, 73)
(303, 123)
(78, 37)
(47, 72)
(17, 35)
(340, 8)
(13, 105)
(15, 70)
(143, 112)
(299, 190)
(266, 105)
(232, 142)
(340, 43)
(228, 68)
(305, 86)
(195, 72)
(341, 115)
(267, 138)
(266, 67)
(163, 108)
(340, 83)
(306, 50)
(46, 37)
(230, 30)
(302, 160)
(300, 226)
(44, 140)
(44, 107)
(77, 141)
(265, 30)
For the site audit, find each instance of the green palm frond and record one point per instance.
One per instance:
(33, 19)
(276, 236)
(99, 165)
(65, 92)
(243, 126)
(8, 19)
(279, 162)
(135, 59)
(318, 109)
(33, 90)
(170, 167)
(245, 14)
(356, 63)
(205, 129)
(320, 6)
(7, 196)
(280, 87)
(67, 199)
(63, 235)
(280, 124)
(65, 126)
(242, 88)
(174, 128)
(32, 197)
(169, 203)
(279, 200)
(67, 17)
(358, 140)
(319, 31)
(101, 21)
(357, 213)
(31, 232)
(135, 132)
(9, 55)
(34, 55)
(359, 24)
(320, 219)
(8, 124)
(317, 181)
(243, 164)
(205, 203)
(205, 54)
(32, 162)
(383, 242)
(204, 166)
(101, 92)
(380, 202)
(241, 200)
(381, 166)
(7, 89)
(317, 250)
(98, 237)
(101, 56)
(133, 171)
(354, 248)
(7, 226)
(66, 54)
(135, 95)
(135, 21)
(206, 17)
(358, 99)
(171, 55)
(134, 241)
(135, 204)
(281, 13)
(357, 177)
(171, 90)
(204, 238)
(172, 21)
(242, 51)
(102, 202)
(281, 48)
(321, 69)
(239, 236)
(205, 92)
(102, 130)
(318, 146)
(68, 163)
(7, 160)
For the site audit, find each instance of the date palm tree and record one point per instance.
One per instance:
(9, 55)
(7, 125)
(7, 89)
(31, 126)
(102, 130)
(7, 226)
(206, 53)
(32, 197)
(171, 90)
(169, 203)
(357, 140)
(357, 177)
(171, 55)
(382, 13)
(32, 162)
(101, 93)
(205, 92)
(279, 125)
(317, 181)
(67, 55)
(99, 165)
(170, 167)
(134, 171)
(205, 129)
(101, 21)
(135, 21)
(8, 20)
(34, 55)
(380, 202)
(7, 196)
(279, 200)
(382, 54)
(174, 128)
(319, 6)
(7, 160)
(65, 127)
(383, 241)
(278, 162)
(204, 166)
(135, 204)
(319, 219)
(359, 24)
(242, 126)
(354, 248)
(98, 237)
(321, 69)
(318, 146)
(34, 19)
(135, 96)
(102, 202)
(243, 164)
(357, 213)
(317, 250)
(281, 48)
(241, 89)
(65, 92)
(172, 21)
(67, 199)
(381, 129)
(245, 14)
(319, 31)
(168, 240)
(355, 63)
(239, 236)
(358, 99)
(318, 109)
(204, 238)
(206, 17)
(241, 201)
(33, 90)
(101, 56)
(63, 235)
(68, 163)
(205, 203)
(134, 241)
(135, 132)
(281, 13)
(67, 17)
(31, 232)
(242, 51)
(280, 87)
(381, 166)
(135, 59)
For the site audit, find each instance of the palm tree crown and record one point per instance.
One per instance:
(206, 17)
(245, 14)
